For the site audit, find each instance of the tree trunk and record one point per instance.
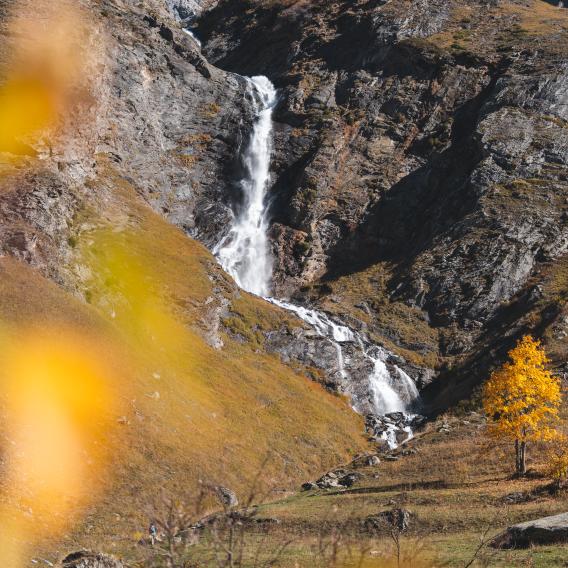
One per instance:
(517, 457)
(523, 464)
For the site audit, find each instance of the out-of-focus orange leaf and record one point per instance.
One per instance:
(59, 409)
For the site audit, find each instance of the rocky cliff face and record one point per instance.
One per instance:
(421, 170)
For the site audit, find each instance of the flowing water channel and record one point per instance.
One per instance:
(244, 252)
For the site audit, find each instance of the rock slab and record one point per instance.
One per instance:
(547, 530)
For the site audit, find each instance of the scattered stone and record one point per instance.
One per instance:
(409, 452)
(366, 461)
(266, 521)
(398, 519)
(547, 530)
(328, 481)
(87, 559)
(350, 479)
(373, 461)
(517, 497)
(309, 486)
(226, 496)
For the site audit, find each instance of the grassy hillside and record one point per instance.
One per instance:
(184, 410)
(458, 489)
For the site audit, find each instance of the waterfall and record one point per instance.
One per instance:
(386, 395)
(193, 37)
(245, 254)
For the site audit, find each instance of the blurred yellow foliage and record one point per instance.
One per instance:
(26, 106)
(58, 410)
(522, 398)
(43, 70)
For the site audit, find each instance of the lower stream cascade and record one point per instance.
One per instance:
(244, 252)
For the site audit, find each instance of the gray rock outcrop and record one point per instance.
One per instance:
(547, 530)
(431, 172)
(226, 496)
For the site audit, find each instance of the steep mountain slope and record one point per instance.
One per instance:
(84, 252)
(420, 179)
(420, 169)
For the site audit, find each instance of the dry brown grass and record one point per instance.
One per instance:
(455, 485)
(219, 412)
(511, 23)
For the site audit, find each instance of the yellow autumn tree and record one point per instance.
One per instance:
(522, 399)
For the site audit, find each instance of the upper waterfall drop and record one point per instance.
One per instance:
(244, 253)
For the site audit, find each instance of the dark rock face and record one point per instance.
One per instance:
(429, 148)
(420, 167)
(548, 530)
(188, 10)
(177, 122)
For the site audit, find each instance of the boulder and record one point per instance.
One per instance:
(332, 479)
(546, 530)
(366, 460)
(87, 559)
(226, 496)
(395, 519)
(350, 479)
(373, 461)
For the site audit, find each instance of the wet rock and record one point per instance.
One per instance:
(393, 429)
(188, 10)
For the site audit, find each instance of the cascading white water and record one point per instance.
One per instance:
(244, 252)
(387, 395)
(325, 327)
(193, 37)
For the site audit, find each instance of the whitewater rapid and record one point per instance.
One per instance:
(244, 252)
(387, 394)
